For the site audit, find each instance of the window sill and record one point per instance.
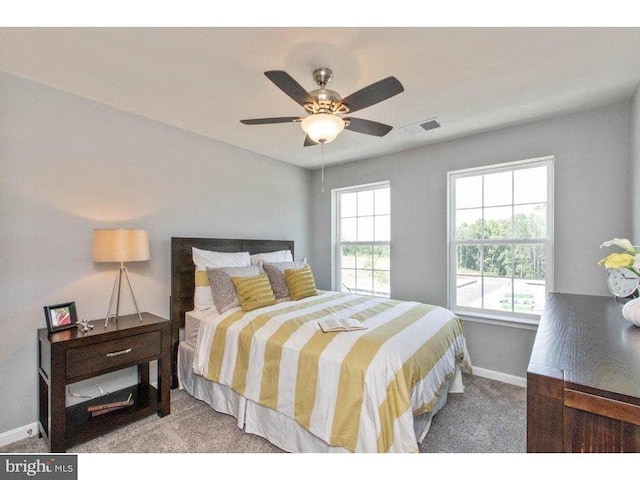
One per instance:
(500, 320)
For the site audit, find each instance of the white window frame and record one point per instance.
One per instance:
(335, 230)
(452, 243)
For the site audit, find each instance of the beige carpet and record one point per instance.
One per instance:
(489, 417)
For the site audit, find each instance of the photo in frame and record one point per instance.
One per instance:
(61, 316)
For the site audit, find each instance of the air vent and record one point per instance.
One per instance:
(421, 127)
(430, 124)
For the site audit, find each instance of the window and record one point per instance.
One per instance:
(362, 239)
(501, 239)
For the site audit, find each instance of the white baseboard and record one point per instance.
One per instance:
(19, 433)
(501, 377)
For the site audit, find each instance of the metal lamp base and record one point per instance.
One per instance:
(116, 293)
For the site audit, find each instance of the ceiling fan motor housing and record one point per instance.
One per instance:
(325, 100)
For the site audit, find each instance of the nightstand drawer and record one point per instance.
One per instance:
(112, 354)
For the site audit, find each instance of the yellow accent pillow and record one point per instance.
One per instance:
(254, 292)
(300, 282)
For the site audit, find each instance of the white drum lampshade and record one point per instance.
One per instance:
(120, 245)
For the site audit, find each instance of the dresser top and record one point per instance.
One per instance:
(586, 341)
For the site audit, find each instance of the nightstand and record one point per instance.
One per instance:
(69, 356)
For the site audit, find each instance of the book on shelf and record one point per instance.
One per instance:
(341, 325)
(102, 411)
(96, 410)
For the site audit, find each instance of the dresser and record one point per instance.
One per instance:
(583, 379)
(69, 356)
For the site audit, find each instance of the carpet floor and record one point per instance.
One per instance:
(490, 417)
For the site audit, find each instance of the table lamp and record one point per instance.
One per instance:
(120, 245)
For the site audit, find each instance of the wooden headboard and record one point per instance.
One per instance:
(183, 278)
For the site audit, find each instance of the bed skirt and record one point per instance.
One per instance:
(277, 428)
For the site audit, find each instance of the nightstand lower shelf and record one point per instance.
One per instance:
(81, 426)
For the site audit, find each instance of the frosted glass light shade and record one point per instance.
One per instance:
(322, 127)
(120, 245)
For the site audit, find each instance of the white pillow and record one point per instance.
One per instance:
(271, 257)
(202, 299)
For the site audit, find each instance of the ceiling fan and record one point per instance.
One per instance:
(326, 107)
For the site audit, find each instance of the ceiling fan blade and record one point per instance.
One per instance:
(263, 121)
(288, 85)
(368, 127)
(374, 93)
(308, 142)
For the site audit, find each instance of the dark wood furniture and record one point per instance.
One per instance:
(70, 356)
(583, 380)
(183, 277)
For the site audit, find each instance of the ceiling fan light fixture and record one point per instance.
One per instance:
(322, 127)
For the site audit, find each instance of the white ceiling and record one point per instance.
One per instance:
(205, 80)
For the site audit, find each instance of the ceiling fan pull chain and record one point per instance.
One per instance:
(322, 167)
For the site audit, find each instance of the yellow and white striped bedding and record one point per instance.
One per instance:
(358, 390)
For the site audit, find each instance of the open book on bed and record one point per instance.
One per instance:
(340, 325)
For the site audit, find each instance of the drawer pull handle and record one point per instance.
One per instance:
(119, 352)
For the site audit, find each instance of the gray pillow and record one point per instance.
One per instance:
(275, 272)
(222, 289)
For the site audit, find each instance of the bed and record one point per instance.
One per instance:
(281, 377)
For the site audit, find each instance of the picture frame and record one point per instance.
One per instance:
(61, 316)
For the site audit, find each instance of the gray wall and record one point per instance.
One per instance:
(68, 165)
(635, 166)
(591, 150)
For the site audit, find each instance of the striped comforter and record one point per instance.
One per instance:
(359, 390)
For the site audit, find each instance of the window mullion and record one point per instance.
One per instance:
(355, 255)
(481, 249)
(499, 241)
(484, 231)
(513, 246)
(338, 253)
(513, 278)
(481, 246)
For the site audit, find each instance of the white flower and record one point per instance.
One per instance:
(623, 243)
